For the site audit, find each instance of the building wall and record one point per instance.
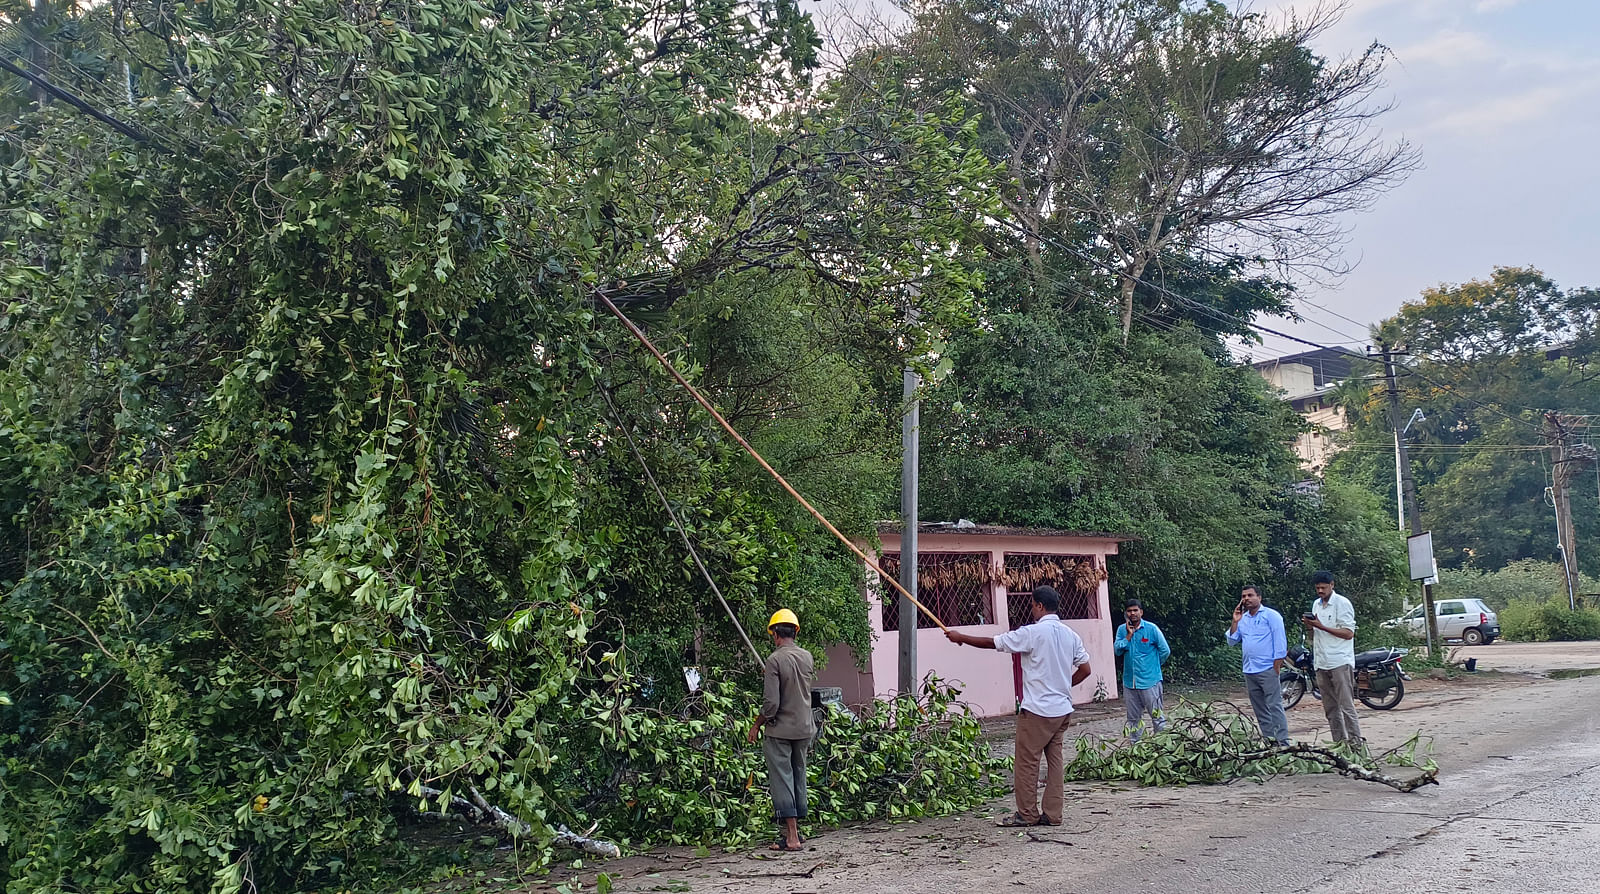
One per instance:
(1316, 446)
(986, 677)
(1291, 378)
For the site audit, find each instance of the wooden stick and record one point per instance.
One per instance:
(701, 399)
(479, 808)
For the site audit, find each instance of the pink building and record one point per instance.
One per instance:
(978, 579)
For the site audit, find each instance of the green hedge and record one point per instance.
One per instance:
(1537, 622)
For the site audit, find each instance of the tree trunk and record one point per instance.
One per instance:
(1128, 281)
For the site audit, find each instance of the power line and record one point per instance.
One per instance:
(1194, 305)
(1297, 298)
(138, 135)
(1474, 401)
(1466, 448)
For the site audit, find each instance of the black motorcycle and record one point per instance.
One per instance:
(1380, 680)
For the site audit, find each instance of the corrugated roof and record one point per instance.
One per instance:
(966, 527)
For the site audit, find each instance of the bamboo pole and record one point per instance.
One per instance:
(701, 399)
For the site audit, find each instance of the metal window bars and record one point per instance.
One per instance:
(958, 587)
(1076, 578)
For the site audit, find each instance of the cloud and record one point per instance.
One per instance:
(1448, 48)
(1495, 5)
(1533, 104)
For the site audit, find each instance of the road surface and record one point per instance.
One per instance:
(1517, 810)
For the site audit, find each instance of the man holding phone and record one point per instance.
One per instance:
(1332, 623)
(1143, 650)
(1258, 630)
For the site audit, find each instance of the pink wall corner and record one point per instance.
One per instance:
(842, 672)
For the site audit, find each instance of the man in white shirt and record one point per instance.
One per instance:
(1332, 622)
(1053, 661)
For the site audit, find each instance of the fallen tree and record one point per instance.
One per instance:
(1217, 743)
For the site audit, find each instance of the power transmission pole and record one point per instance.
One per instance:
(909, 445)
(1568, 461)
(1405, 487)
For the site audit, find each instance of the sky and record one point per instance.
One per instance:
(1502, 97)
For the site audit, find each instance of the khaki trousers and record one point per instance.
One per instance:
(1038, 736)
(1339, 703)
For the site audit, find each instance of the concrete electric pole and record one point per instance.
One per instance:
(909, 445)
(1405, 488)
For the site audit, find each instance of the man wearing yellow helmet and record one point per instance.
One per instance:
(786, 719)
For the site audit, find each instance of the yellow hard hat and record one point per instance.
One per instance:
(783, 616)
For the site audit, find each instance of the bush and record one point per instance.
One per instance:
(1208, 744)
(1537, 622)
(1526, 580)
(650, 778)
(1222, 662)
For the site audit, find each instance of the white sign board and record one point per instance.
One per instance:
(1419, 547)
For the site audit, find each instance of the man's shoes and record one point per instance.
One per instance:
(1013, 820)
(1047, 821)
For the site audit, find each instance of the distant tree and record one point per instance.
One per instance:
(1486, 359)
(1155, 129)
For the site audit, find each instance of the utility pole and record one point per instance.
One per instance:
(1569, 459)
(909, 445)
(1405, 488)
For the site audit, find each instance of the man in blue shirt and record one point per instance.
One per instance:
(1259, 630)
(1143, 650)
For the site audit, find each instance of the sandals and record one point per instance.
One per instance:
(1017, 820)
(783, 845)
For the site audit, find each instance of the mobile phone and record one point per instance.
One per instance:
(1308, 616)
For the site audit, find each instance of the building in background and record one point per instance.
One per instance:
(1307, 382)
(980, 578)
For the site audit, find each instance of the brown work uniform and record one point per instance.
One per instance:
(788, 727)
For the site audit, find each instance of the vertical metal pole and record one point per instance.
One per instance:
(908, 528)
(1405, 489)
(1399, 487)
(1427, 606)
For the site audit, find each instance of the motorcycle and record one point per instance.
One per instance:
(1380, 680)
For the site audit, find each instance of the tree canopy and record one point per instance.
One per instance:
(319, 500)
(1487, 359)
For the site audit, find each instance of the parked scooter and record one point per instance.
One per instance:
(1380, 680)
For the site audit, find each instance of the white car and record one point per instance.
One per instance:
(1470, 620)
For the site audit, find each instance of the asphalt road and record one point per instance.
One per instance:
(1517, 809)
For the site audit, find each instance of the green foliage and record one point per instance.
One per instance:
(308, 496)
(1486, 357)
(1530, 597)
(1048, 421)
(1525, 580)
(1209, 744)
(1346, 530)
(1536, 622)
(689, 777)
(1221, 662)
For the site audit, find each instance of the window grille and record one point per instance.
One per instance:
(1076, 578)
(958, 587)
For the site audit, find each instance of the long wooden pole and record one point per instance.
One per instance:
(701, 399)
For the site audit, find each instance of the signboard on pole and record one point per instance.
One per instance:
(1419, 548)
